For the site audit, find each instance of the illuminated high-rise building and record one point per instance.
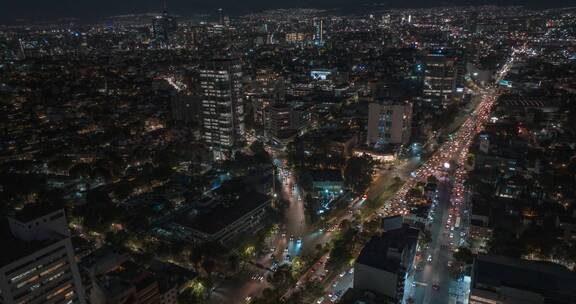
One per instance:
(220, 16)
(37, 264)
(443, 78)
(319, 35)
(222, 106)
(389, 123)
(163, 26)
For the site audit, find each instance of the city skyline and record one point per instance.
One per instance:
(355, 154)
(91, 10)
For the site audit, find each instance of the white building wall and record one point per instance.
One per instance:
(48, 275)
(399, 123)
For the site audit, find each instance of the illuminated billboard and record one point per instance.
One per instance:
(320, 74)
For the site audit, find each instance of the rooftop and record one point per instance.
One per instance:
(553, 281)
(377, 252)
(18, 248)
(527, 101)
(224, 214)
(33, 211)
(361, 296)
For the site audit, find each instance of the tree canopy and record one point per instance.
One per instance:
(358, 173)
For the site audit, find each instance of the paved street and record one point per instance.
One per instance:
(434, 283)
(295, 238)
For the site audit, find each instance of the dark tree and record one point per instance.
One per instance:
(463, 255)
(358, 173)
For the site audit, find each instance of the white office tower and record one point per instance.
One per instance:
(222, 106)
(37, 262)
(389, 123)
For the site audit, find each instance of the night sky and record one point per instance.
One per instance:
(11, 10)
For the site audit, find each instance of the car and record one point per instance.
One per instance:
(334, 284)
(286, 250)
(291, 237)
(429, 259)
(299, 241)
(343, 274)
(351, 271)
(436, 287)
(319, 301)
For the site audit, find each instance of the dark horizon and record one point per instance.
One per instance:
(90, 10)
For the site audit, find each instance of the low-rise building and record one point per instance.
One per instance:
(172, 280)
(355, 296)
(384, 261)
(327, 181)
(228, 219)
(503, 280)
(479, 236)
(128, 283)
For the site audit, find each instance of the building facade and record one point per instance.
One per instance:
(185, 108)
(40, 266)
(222, 106)
(442, 80)
(504, 280)
(280, 115)
(389, 123)
(382, 265)
(163, 26)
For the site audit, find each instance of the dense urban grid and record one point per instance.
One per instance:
(290, 156)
